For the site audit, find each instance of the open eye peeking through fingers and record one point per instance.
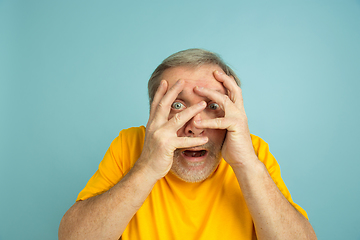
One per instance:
(177, 105)
(217, 98)
(214, 110)
(180, 106)
(165, 102)
(225, 101)
(178, 118)
(213, 106)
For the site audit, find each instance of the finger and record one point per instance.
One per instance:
(234, 91)
(160, 92)
(164, 105)
(188, 142)
(223, 100)
(216, 123)
(179, 119)
(228, 81)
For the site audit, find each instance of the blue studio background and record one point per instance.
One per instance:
(74, 73)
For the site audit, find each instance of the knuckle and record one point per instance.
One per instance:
(225, 99)
(151, 127)
(161, 104)
(157, 136)
(153, 106)
(218, 121)
(177, 117)
(236, 91)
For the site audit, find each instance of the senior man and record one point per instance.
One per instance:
(194, 172)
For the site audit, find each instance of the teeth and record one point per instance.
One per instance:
(198, 153)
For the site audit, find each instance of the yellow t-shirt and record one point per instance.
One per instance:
(212, 209)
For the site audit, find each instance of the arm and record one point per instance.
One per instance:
(107, 215)
(274, 217)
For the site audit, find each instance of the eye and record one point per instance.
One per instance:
(213, 106)
(177, 105)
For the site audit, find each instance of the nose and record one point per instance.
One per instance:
(191, 130)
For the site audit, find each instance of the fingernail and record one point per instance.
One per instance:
(202, 103)
(199, 88)
(217, 72)
(179, 81)
(198, 121)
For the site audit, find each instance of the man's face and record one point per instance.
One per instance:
(196, 164)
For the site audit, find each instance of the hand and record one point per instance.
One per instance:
(161, 138)
(237, 148)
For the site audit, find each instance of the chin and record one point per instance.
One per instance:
(194, 173)
(197, 163)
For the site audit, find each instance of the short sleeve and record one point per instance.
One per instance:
(262, 150)
(118, 160)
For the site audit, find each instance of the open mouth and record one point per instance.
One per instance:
(194, 154)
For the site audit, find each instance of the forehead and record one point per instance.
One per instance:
(201, 76)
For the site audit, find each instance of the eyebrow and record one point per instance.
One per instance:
(217, 90)
(206, 98)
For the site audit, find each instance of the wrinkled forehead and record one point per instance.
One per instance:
(202, 76)
(210, 83)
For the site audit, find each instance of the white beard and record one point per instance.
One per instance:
(196, 171)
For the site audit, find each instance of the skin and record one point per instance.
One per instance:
(194, 126)
(192, 78)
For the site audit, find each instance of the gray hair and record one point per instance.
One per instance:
(191, 57)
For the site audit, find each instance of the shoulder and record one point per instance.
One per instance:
(258, 143)
(133, 132)
(133, 135)
(128, 143)
(262, 151)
